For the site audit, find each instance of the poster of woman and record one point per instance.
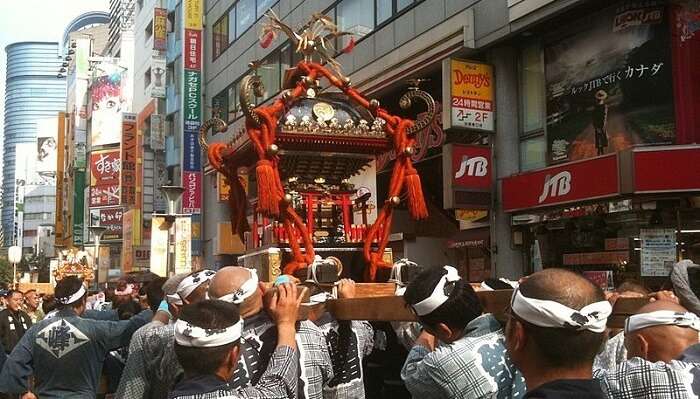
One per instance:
(106, 105)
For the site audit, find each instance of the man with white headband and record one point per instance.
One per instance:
(152, 369)
(556, 327)
(207, 343)
(460, 353)
(663, 355)
(241, 286)
(65, 353)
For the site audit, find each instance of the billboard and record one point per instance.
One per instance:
(106, 103)
(111, 218)
(609, 85)
(47, 149)
(160, 29)
(158, 77)
(468, 88)
(129, 153)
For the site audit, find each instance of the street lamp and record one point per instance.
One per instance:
(14, 255)
(97, 232)
(172, 194)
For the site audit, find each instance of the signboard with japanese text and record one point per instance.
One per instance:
(129, 154)
(466, 176)
(192, 197)
(193, 49)
(658, 251)
(128, 240)
(609, 82)
(79, 207)
(158, 77)
(142, 257)
(157, 132)
(104, 195)
(105, 167)
(192, 152)
(193, 14)
(193, 101)
(160, 29)
(469, 89)
(159, 246)
(111, 218)
(183, 247)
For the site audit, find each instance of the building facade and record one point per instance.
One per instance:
(34, 96)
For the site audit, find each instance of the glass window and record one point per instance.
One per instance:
(264, 5)
(270, 75)
(232, 25)
(401, 4)
(355, 16)
(220, 35)
(533, 87)
(245, 15)
(219, 105)
(384, 10)
(232, 102)
(532, 153)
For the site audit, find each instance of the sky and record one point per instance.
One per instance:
(37, 20)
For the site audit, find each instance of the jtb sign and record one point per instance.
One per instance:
(576, 181)
(466, 176)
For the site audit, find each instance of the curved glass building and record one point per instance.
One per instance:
(33, 91)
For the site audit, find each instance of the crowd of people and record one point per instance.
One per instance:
(225, 334)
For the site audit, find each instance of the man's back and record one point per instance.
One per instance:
(65, 354)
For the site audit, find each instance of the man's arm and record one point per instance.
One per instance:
(134, 383)
(117, 334)
(94, 314)
(418, 372)
(18, 366)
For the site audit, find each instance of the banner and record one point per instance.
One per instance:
(468, 88)
(192, 197)
(158, 78)
(106, 103)
(105, 167)
(78, 207)
(111, 218)
(159, 246)
(183, 246)
(193, 101)
(193, 14)
(128, 240)
(129, 153)
(157, 132)
(658, 252)
(160, 29)
(609, 85)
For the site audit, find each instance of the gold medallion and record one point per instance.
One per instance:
(323, 111)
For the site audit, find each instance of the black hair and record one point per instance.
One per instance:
(48, 304)
(563, 347)
(154, 292)
(66, 287)
(127, 310)
(12, 292)
(462, 307)
(211, 314)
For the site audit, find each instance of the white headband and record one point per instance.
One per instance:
(662, 318)
(396, 276)
(73, 298)
(188, 285)
(438, 296)
(245, 291)
(190, 335)
(552, 314)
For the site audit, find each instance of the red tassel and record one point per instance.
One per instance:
(268, 201)
(351, 45)
(267, 39)
(416, 201)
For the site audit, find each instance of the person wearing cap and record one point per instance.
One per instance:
(663, 355)
(207, 344)
(556, 326)
(240, 286)
(460, 353)
(65, 353)
(152, 368)
(14, 322)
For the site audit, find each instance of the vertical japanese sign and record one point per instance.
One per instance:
(59, 178)
(103, 264)
(157, 132)
(128, 160)
(658, 252)
(160, 21)
(192, 107)
(159, 246)
(78, 207)
(128, 240)
(468, 88)
(183, 245)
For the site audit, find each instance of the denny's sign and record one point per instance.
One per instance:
(468, 88)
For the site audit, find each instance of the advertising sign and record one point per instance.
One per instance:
(666, 169)
(103, 262)
(193, 14)
(193, 49)
(105, 195)
(193, 106)
(129, 153)
(106, 103)
(60, 168)
(160, 176)
(183, 246)
(142, 257)
(160, 29)
(157, 132)
(105, 167)
(609, 85)
(78, 207)
(128, 240)
(111, 218)
(658, 252)
(192, 152)
(159, 246)
(192, 197)
(47, 148)
(468, 88)
(575, 181)
(158, 78)
(467, 176)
